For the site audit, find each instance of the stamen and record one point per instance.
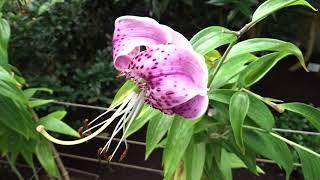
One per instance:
(110, 109)
(117, 128)
(41, 128)
(80, 131)
(124, 154)
(86, 126)
(132, 116)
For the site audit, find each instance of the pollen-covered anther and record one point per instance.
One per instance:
(86, 127)
(124, 153)
(101, 154)
(80, 131)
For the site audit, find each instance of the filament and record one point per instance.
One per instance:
(132, 117)
(41, 128)
(117, 128)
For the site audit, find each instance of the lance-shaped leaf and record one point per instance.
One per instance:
(266, 44)
(16, 117)
(258, 69)
(178, 140)
(157, 128)
(310, 113)
(230, 69)
(310, 164)
(270, 147)
(52, 122)
(29, 93)
(46, 158)
(194, 159)
(39, 102)
(258, 111)
(210, 38)
(238, 109)
(272, 6)
(127, 88)
(144, 116)
(4, 39)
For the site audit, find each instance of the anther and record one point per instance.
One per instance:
(80, 131)
(124, 153)
(86, 126)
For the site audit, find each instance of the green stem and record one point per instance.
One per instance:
(269, 103)
(14, 169)
(294, 144)
(238, 34)
(291, 143)
(220, 62)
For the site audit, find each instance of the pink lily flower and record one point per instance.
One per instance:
(171, 76)
(174, 77)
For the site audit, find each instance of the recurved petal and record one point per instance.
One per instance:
(131, 32)
(164, 60)
(178, 39)
(167, 91)
(192, 109)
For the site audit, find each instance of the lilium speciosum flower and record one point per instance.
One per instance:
(171, 76)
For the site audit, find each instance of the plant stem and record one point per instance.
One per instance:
(271, 104)
(291, 143)
(294, 144)
(225, 54)
(220, 62)
(14, 168)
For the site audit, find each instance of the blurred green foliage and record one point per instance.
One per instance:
(290, 120)
(65, 48)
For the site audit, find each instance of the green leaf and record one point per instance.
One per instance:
(16, 117)
(157, 128)
(230, 69)
(145, 115)
(127, 88)
(248, 157)
(194, 160)
(260, 114)
(39, 102)
(46, 158)
(270, 147)
(235, 162)
(258, 69)
(310, 113)
(310, 164)
(9, 87)
(28, 157)
(258, 111)
(266, 44)
(178, 140)
(29, 93)
(52, 122)
(238, 109)
(272, 6)
(5, 76)
(4, 39)
(210, 38)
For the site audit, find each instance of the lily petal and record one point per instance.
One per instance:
(192, 109)
(131, 32)
(164, 60)
(178, 39)
(168, 91)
